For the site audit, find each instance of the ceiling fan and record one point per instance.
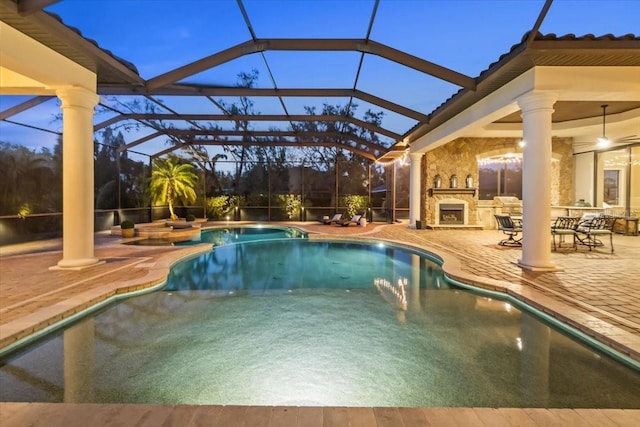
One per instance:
(604, 141)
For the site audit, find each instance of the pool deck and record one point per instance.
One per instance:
(596, 291)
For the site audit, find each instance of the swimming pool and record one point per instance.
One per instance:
(307, 322)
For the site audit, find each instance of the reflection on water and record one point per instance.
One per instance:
(303, 323)
(292, 264)
(394, 294)
(229, 235)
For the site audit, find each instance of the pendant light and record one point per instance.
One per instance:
(603, 141)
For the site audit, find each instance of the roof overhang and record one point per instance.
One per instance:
(28, 67)
(29, 19)
(599, 70)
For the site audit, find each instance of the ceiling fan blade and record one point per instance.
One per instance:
(614, 143)
(628, 138)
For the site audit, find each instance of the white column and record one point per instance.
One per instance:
(77, 177)
(414, 187)
(537, 108)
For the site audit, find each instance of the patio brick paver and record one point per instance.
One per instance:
(597, 292)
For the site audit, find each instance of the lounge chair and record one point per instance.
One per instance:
(564, 226)
(328, 221)
(355, 220)
(511, 227)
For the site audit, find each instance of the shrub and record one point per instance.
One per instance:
(127, 223)
(24, 210)
(217, 206)
(291, 204)
(353, 204)
(191, 217)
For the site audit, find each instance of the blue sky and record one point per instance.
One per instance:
(464, 35)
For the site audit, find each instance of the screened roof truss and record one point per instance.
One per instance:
(356, 45)
(169, 84)
(120, 78)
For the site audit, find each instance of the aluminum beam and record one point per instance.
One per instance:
(319, 45)
(244, 117)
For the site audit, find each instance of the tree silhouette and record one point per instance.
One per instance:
(245, 106)
(25, 178)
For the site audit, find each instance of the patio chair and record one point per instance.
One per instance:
(589, 230)
(328, 221)
(564, 226)
(511, 227)
(355, 220)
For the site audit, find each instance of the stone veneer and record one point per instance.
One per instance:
(460, 156)
(562, 172)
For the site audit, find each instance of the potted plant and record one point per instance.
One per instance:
(191, 217)
(128, 228)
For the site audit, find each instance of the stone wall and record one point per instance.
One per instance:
(562, 172)
(460, 157)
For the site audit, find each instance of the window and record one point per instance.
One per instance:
(500, 177)
(611, 187)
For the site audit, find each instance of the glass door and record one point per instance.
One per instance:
(618, 181)
(634, 181)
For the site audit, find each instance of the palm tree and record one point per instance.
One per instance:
(24, 177)
(172, 180)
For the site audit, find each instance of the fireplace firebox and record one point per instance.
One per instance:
(451, 213)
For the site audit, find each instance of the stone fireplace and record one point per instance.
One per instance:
(460, 157)
(452, 212)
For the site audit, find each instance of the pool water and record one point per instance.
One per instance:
(305, 322)
(229, 235)
(283, 265)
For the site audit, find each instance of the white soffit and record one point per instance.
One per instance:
(28, 63)
(590, 83)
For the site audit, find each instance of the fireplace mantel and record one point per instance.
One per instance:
(471, 191)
